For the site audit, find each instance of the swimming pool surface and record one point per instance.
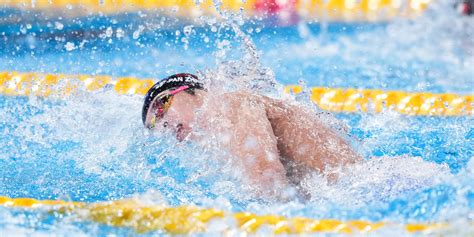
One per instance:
(92, 147)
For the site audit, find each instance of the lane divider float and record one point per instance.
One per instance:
(377, 101)
(331, 99)
(190, 219)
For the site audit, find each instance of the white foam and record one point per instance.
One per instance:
(104, 124)
(378, 179)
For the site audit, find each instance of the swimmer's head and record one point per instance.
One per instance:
(169, 103)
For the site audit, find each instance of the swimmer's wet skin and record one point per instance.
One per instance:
(283, 142)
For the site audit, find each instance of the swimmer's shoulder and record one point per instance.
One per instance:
(271, 104)
(240, 96)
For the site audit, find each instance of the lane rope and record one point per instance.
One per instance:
(190, 219)
(348, 100)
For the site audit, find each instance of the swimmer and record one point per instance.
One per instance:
(272, 141)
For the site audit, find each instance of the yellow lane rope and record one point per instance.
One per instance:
(190, 219)
(331, 9)
(331, 99)
(373, 100)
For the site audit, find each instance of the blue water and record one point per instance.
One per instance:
(92, 147)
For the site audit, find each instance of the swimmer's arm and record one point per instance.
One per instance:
(257, 151)
(256, 147)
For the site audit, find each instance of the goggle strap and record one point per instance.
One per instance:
(179, 89)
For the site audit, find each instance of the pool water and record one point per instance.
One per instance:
(92, 146)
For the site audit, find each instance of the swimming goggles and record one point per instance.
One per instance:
(161, 104)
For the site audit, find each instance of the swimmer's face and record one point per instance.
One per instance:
(180, 116)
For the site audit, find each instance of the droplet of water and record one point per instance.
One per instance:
(69, 46)
(187, 30)
(109, 32)
(23, 29)
(212, 21)
(58, 25)
(137, 33)
(120, 33)
(186, 42)
(83, 43)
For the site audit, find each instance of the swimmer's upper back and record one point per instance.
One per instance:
(304, 139)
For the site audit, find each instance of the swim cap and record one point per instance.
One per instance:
(172, 82)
